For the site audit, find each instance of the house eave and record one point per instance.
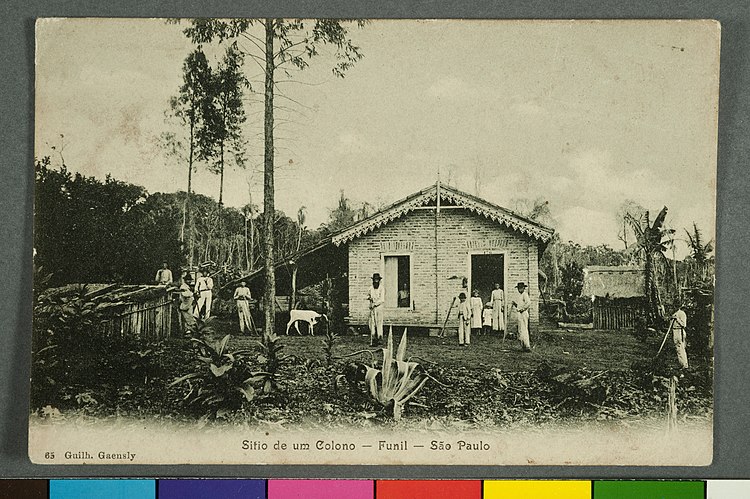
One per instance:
(422, 198)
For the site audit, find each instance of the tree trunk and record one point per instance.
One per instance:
(269, 292)
(221, 174)
(252, 243)
(247, 255)
(188, 204)
(293, 301)
(649, 280)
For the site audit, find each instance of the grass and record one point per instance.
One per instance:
(596, 350)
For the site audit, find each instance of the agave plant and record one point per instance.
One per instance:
(398, 380)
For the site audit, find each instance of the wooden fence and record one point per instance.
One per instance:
(615, 315)
(148, 320)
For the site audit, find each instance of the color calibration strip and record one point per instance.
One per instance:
(369, 489)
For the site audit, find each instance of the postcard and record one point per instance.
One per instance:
(328, 241)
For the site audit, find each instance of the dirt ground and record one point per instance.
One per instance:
(587, 349)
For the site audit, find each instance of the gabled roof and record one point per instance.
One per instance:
(614, 282)
(451, 195)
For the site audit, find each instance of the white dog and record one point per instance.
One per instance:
(309, 316)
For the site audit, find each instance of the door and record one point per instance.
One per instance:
(486, 270)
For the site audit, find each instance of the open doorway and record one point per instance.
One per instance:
(486, 270)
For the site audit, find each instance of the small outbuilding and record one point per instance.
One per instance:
(145, 312)
(618, 295)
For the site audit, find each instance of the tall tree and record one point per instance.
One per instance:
(188, 107)
(652, 239)
(221, 132)
(283, 44)
(700, 250)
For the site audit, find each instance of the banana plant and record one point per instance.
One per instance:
(398, 380)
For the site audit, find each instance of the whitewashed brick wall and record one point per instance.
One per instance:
(414, 235)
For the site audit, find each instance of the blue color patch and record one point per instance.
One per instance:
(102, 489)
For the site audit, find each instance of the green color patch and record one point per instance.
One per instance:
(656, 489)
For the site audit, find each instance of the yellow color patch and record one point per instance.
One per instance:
(537, 489)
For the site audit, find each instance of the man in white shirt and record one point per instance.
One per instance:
(522, 306)
(376, 297)
(678, 334)
(203, 288)
(164, 275)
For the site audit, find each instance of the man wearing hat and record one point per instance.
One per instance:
(204, 286)
(376, 297)
(522, 306)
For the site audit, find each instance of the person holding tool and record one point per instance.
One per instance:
(679, 325)
(376, 297)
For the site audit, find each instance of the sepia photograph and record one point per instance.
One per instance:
(351, 241)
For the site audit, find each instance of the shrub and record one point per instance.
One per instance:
(221, 381)
(699, 310)
(580, 310)
(75, 364)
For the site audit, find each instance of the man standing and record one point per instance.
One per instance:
(164, 275)
(186, 305)
(522, 308)
(203, 288)
(242, 299)
(678, 334)
(376, 297)
(208, 294)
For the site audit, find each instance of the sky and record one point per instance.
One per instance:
(583, 114)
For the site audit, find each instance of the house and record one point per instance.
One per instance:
(426, 246)
(618, 295)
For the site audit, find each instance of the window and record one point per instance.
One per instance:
(397, 281)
